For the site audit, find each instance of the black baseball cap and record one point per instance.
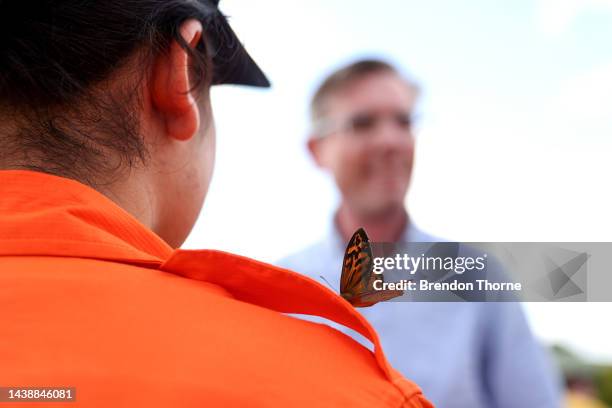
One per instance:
(232, 63)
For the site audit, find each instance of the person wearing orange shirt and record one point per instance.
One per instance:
(106, 153)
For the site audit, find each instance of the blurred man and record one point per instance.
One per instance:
(464, 355)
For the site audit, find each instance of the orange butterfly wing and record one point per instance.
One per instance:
(357, 280)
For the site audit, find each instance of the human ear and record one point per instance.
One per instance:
(315, 147)
(171, 86)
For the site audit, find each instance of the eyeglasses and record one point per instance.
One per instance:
(364, 123)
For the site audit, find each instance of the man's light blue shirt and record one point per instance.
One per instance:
(462, 354)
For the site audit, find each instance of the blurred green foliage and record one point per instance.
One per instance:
(577, 369)
(603, 383)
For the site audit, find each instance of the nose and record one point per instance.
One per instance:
(390, 135)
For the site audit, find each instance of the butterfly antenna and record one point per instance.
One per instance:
(328, 284)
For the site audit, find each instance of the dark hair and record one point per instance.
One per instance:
(345, 76)
(54, 53)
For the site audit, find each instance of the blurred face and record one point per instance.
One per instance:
(366, 142)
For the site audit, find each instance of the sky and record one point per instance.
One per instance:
(514, 143)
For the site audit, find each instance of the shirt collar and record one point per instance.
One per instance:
(46, 215)
(335, 242)
(43, 214)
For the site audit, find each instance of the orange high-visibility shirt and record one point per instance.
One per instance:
(92, 299)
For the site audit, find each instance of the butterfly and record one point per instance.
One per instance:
(357, 280)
